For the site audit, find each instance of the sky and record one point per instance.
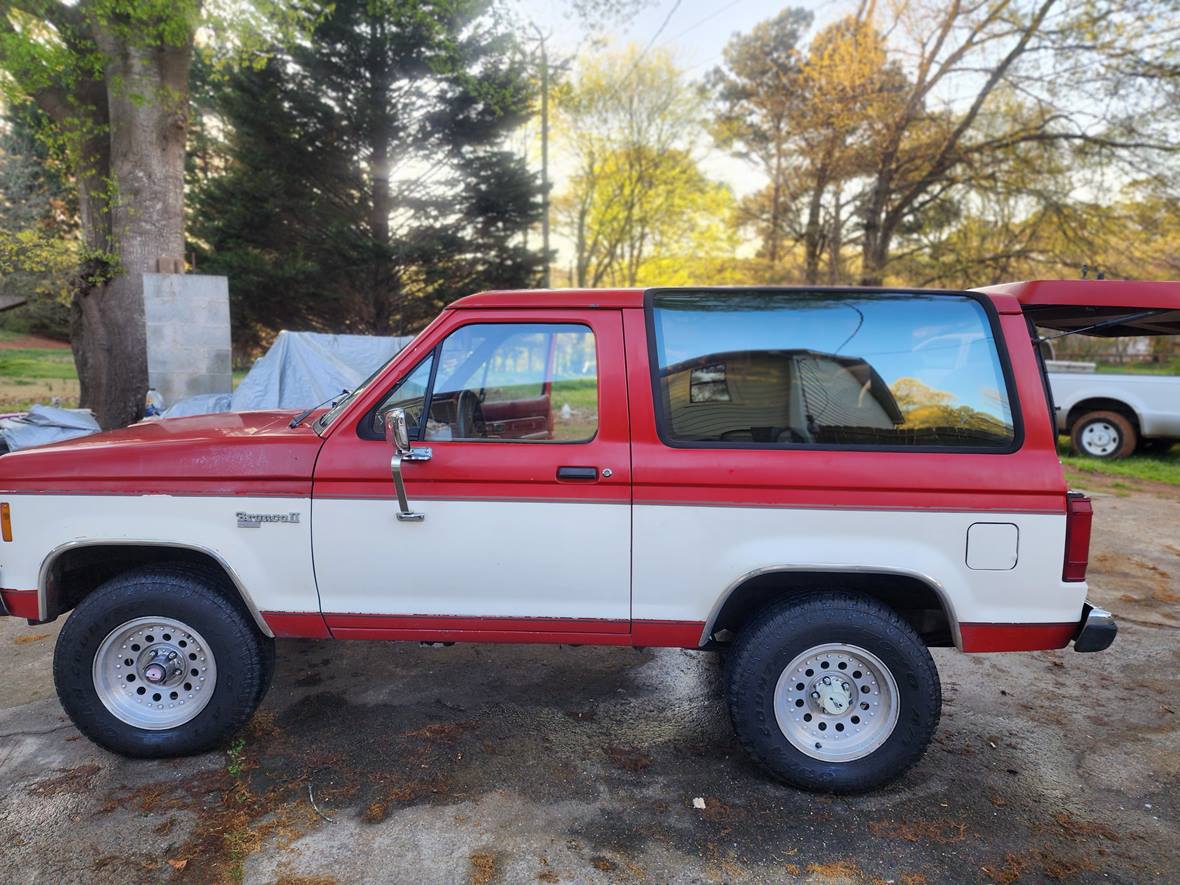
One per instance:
(696, 32)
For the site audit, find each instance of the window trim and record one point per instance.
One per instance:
(663, 421)
(363, 427)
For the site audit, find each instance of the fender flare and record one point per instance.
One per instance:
(50, 558)
(801, 568)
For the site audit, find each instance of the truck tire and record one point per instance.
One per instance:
(160, 662)
(832, 692)
(1106, 435)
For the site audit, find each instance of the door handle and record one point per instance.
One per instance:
(580, 473)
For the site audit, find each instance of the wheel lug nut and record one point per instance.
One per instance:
(827, 680)
(815, 695)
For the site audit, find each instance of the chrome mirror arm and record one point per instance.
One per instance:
(397, 435)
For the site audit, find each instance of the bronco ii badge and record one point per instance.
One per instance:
(254, 520)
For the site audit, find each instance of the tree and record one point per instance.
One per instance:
(112, 76)
(366, 180)
(629, 122)
(38, 229)
(805, 117)
(964, 59)
(757, 90)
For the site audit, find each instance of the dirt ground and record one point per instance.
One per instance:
(377, 762)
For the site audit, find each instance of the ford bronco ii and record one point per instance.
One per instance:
(822, 482)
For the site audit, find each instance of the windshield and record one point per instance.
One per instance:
(325, 420)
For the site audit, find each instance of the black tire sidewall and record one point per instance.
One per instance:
(757, 666)
(238, 649)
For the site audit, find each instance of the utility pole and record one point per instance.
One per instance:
(541, 38)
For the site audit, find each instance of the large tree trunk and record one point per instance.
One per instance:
(147, 100)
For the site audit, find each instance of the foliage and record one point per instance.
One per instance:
(955, 144)
(38, 229)
(362, 180)
(636, 194)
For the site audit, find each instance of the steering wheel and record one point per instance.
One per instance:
(468, 417)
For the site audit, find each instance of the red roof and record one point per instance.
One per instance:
(1080, 293)
(570, 298)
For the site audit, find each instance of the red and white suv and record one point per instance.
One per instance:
(825, 482)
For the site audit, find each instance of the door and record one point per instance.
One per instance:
(525, 497)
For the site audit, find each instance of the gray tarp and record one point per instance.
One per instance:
(301, 369)
(46, 424)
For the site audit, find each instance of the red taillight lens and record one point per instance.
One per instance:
(1079, 514)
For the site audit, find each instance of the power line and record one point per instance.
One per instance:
(705, 20)
(639, 58)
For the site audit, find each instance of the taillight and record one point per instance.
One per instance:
(1079, 514)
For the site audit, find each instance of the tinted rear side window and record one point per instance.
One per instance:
(857, 369)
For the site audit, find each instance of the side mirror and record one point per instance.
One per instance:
(397, 433)
(398, 437)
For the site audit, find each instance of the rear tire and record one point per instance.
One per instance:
(1104, 435)
(867, 726)
(199, 666)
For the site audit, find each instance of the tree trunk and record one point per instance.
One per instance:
(836, 239)
(812, 232)
(88, 332)
(139, 216)
(872, 269)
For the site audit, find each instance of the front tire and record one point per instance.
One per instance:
(160, 662)
(833, 692)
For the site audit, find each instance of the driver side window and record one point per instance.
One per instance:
(505, 381)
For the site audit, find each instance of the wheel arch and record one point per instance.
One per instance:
(74, 569)
(917, 597)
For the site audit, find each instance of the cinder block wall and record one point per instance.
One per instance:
(188, 343)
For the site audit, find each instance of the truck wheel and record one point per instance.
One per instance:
(833, 692)
(1103, 435)
(157, 662)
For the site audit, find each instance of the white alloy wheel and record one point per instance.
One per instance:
(836, 702)
(154, 673)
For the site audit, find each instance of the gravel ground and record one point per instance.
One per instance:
(377, 762)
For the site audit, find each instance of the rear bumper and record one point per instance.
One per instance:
(1096, 631)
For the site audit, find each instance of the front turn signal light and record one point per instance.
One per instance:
(6, 522)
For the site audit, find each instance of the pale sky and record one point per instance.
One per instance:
(696, 32)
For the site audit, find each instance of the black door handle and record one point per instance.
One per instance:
(583, 473)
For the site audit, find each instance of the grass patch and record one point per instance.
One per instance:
(35, 362)
(235, 757)
(36, 375)
(1168, 367)
(1163, 468)
(1157, 467)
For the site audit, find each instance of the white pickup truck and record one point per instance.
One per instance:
(1110, 416)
